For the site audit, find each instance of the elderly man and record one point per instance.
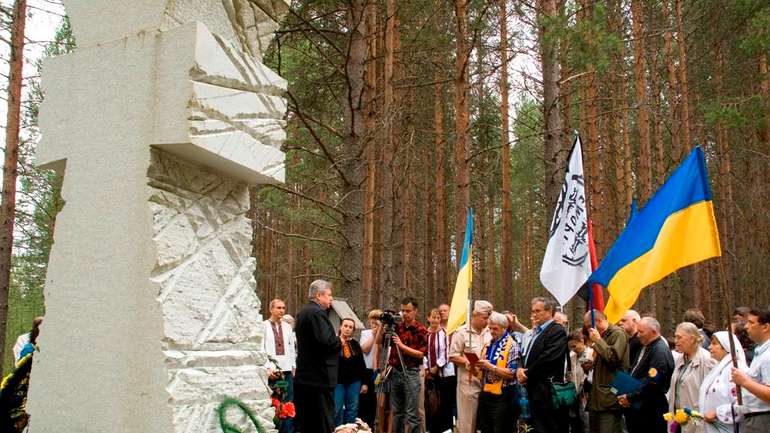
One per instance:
(756, 384)
(469, 339)
(655, 364)
(629, 322)
(318, 348)
(278, 342)
(545, 356)
(610, 345)
(443, 310)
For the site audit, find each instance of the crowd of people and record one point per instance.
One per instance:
(496, 374)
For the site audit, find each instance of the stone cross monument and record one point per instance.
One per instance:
(158, 122)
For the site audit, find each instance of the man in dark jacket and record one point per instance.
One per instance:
(610, 346)
(544, 360)
(645, 406)
(318, 349)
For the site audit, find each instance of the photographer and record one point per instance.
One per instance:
(409, 344)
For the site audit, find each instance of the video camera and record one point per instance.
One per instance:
(390, 318)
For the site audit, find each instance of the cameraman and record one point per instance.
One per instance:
(409, 345)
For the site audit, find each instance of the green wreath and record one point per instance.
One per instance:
(229, 428)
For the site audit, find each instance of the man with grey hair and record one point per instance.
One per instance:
(544, 358)
(644, 407)
(318, 349)
(464, 351)
(629, 322)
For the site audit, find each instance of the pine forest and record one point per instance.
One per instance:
(404, 114)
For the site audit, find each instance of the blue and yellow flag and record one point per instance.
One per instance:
(458, 311)
(675, 229)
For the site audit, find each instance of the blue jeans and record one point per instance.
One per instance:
(404, 399)
(346, 403)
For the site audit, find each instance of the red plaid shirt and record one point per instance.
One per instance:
(414, 336)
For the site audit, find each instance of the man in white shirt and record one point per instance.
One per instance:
(279, 343)
(756, 384)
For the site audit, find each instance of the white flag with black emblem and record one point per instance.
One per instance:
(567, 265)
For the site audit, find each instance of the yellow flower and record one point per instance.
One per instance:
(668, 416)
(680, 417)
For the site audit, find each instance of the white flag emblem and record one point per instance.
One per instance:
(566, 265)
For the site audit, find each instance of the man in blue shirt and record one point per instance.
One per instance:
(756, 384)
(544, 358)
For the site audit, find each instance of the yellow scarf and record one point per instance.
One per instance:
(493, 383)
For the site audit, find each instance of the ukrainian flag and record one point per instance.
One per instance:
(675, 229)
(458, 311)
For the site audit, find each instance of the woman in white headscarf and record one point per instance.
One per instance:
(717, 392)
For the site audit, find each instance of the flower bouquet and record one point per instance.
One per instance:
(681, 417)
(283, 409)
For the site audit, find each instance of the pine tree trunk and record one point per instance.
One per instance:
(686, 142)
(726, 222)
(668, 50)
(11, 163)
(352, 164)
(696, 275)
(462, 197)
(442, 238)
(490, 289)
(480, 282)
(388, 205)
(367, 277)
(409, 220)
(553, 137)
(506, 259)
(428, 202)
(640, 80)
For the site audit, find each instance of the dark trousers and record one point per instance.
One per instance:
(648, 419)
(404, 399)
(315, 409)
(605, 421)
(497, 413)
(446, 388)
(757, 423)
(367, 403)
(545, 419)
(287, 425)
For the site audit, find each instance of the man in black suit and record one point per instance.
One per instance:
(544, 355)
(318, 349)
(644, 408)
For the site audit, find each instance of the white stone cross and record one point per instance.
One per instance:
(158, 122)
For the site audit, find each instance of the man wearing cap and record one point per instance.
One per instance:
(469, 339)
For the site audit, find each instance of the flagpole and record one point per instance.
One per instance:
(591, 303)
(730, 334)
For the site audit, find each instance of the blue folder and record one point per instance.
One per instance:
(624, 383)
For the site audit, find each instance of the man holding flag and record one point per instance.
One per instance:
(469, 339)
(464, 351)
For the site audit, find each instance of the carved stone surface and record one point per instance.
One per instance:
(247, 23)
(159, 121)
(211, 321)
